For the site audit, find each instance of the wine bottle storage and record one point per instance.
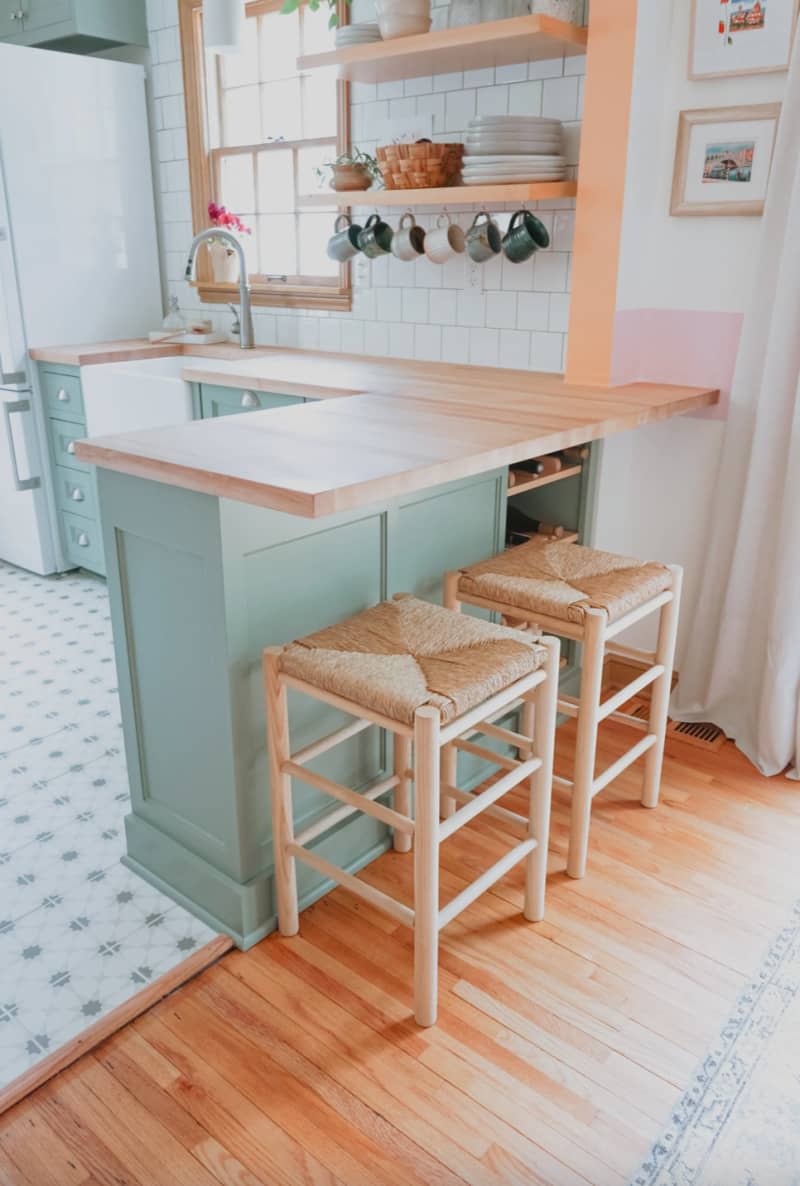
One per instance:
(545, 498)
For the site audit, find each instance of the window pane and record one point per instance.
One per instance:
(319, 103)
(241, 117)
(241, 69)
(317, 38)
(237, 188)
(280, 45)
(310, 159)
(276, 233)
(250, 245)
(315, 230)
(280, 110)
(275, 181)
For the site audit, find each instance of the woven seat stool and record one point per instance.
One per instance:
(591, 596)
(433, 679)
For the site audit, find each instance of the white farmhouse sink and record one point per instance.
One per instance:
(142, 393)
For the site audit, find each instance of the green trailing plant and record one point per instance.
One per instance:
(354, 157)
(314, 5)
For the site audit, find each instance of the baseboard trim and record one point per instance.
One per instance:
(128, 1011)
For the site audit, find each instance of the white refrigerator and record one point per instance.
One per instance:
(78, 253)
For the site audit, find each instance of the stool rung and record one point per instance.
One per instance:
(562, 782)
(629, 691)
(353, 798)
(480, 802)
(518, 740)
(494, 810)
(495, 706)
(329, 741)
(626, 652)
(637, 614)
(338, 814)
(488, 755)
(375, 897)
(485, 881)
(627, 759)
(569, 706)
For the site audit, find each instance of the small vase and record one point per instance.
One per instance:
(224, 263)
(350, 177)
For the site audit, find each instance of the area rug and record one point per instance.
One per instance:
(739, 1122)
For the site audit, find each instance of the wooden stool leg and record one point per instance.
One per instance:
(402, 792)
(426, 864)
(541, 786)
(586, 740)
(659, 701)
(281, 792)
(451, 591)
(448, 767)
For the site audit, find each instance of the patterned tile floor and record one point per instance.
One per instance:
(79, 933)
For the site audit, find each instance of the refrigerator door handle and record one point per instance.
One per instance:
(13, 378)
(20, 405)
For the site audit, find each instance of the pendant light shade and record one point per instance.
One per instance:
(223, 26)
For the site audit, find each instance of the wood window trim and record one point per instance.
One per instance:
(324, 295)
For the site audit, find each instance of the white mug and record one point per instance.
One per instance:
(445, 241)
(408, 242)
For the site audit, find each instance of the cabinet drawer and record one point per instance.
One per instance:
(62, 395)
(230, 401)
(39, 14)
(75, 492)
(64, 435)
(83, 542)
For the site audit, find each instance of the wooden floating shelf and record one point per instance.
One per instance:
(537, 480)
(446, 51)
(569, 537)
(451, 195)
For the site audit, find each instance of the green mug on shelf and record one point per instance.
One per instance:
(376, 237)
(343, 244)
(526, 233)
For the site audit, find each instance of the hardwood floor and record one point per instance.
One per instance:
(560, 1049)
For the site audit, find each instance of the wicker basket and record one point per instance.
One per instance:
(424, 165)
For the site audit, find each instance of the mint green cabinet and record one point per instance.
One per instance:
(213, 400)
(74, 26)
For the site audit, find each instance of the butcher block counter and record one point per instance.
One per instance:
(223, 536)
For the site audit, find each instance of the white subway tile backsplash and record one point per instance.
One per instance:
(401, 341)
(415, 304)
(330, 334)
(427, 343)
(493, 100)
(533, 310)
(376, 341)
(547, 68)
(501, 310)
(559, 312)
(563, 230)
(484, 347)
(515, 73)
(517, 277)
(525, 98)
(560, 98)
(352, 340)
(546, 351)
(515, 346)
(482, 77)
(455, 343)
(418, 86)
(448, 82)
(363, 92)
(459, 110)
(471, 307)
(432, 105)
(390, 90)
(575, 65)
(550, 271)
(389, 304)
(443, 306)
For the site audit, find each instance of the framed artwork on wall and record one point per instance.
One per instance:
(723, 158)
(740, 36)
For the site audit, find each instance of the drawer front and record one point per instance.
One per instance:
(63, 435)
(62, 395)
(83, 544)
(75, 492)
(231, 401)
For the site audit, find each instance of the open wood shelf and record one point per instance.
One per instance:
(451, 195)
(569, 537)
(537, 480)
(445, 51)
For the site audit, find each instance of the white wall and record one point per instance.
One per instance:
(497, 315)
(657, 491)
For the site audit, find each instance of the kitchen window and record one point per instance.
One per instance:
(257, 131)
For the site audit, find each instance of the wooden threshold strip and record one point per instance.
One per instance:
(102, 1029)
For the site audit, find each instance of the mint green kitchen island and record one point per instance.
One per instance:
(228, 535)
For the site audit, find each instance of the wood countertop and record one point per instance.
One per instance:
(416, 426)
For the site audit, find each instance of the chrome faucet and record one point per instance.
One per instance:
(245, 318)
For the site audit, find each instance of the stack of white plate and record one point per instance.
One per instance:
(361, 34)
(508, 148)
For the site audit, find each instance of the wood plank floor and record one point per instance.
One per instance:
(560, 1046)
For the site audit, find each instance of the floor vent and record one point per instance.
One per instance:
(703, 734)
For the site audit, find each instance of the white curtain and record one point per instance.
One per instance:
(742, 665)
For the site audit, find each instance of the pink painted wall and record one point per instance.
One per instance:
(683, 346)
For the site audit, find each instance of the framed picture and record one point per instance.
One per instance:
(723, 158)
(740, 36)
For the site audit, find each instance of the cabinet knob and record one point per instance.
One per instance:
(77, 494)
(18, 15)
(83, 540)
(70, 446)
(249, 400)
(63, 395)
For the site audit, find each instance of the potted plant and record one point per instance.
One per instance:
(314, 5)
(351, 170)
(224, 265)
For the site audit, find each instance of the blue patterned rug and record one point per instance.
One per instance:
(739, 1122)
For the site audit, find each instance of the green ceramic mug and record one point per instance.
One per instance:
(526, 234)
(376, 237)
(343, 244)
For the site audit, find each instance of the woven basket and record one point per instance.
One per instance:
(419, 166)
